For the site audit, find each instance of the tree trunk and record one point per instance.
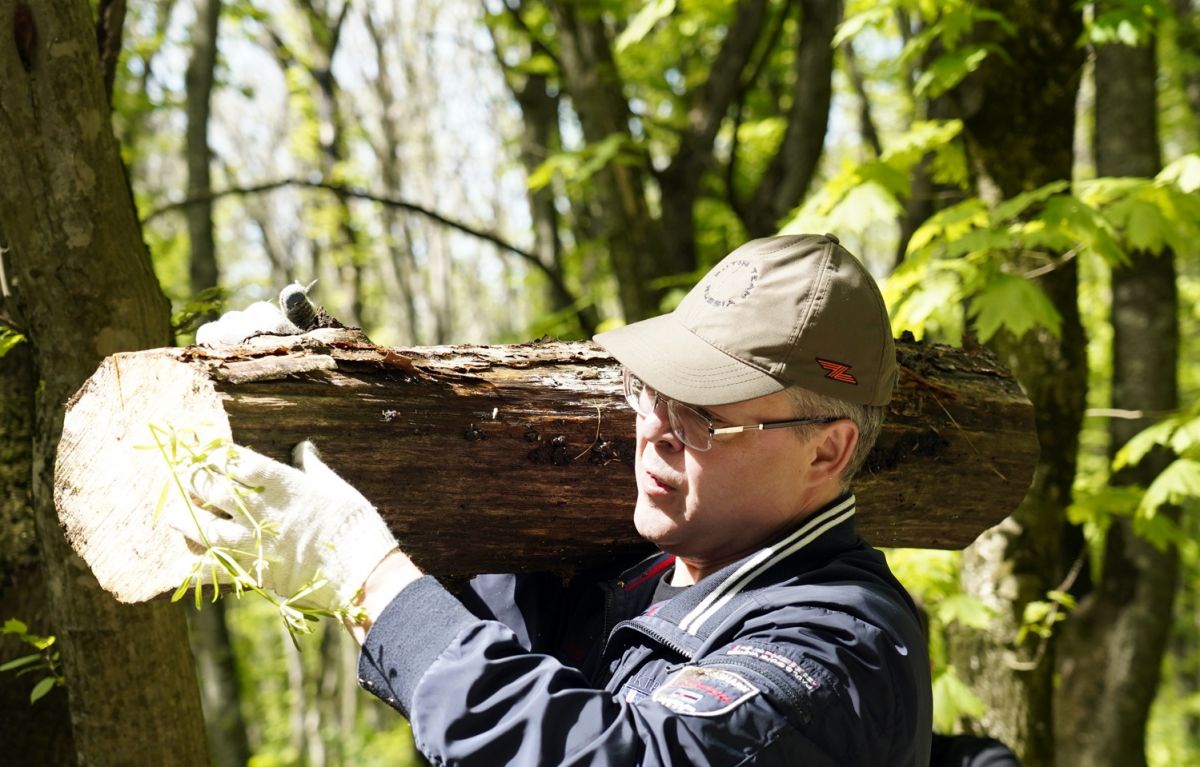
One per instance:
(203, 258)
(632, 236)
(1031, 87)
(217, 670)
(398, 243)
(795, 163)
(412, 429)
(34, 735)
(1111, 650)
(85, 285)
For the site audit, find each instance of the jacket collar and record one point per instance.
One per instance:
(824, 532)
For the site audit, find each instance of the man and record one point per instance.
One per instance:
(765, 632)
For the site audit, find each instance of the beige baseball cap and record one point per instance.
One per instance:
(776, 312)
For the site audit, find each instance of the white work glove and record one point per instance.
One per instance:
(316, 525)
(236, 326)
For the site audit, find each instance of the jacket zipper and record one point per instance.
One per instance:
(657, 637)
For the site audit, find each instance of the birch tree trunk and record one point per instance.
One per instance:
(85, 285)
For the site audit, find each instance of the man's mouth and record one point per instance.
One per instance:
(657, 483)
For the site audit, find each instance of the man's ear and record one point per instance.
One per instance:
(835, 443)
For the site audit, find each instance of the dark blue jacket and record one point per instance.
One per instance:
(807, 652)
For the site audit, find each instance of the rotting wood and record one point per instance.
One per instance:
(491, 458)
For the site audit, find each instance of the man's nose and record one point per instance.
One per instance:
(656, 427)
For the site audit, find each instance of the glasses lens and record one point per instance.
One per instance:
(690, 426)
(639, 396)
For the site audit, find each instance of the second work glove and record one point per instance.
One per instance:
(315, 526)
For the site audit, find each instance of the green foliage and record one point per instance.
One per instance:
(1093, 510)
(8, 339)
(1014, 303)
(46, 660)
(992, 251)
(577, 167)
(1126, 22)
(932, 577)
(197, 309)
(947, 29)
(1177, 485)
(642, 22)
(953, 700)
(1042, 615)
(876, 190)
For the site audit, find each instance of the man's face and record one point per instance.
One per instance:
(715, 506)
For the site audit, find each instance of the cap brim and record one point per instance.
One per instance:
(679, 364)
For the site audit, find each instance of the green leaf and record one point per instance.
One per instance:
(876, 16)
(1062, 598)
(1015, 206)
(1178, 483)
(1133, 451)
(1183, 173)
(1015, 304)
(8, 339)
(161, 502)
(41, 688)
(24, 660)
(948, 70)
(643, 22)
(41, 643)
(949, 224)
(14, 626)
(953, 700)
(966, 610)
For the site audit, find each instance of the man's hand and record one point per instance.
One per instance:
(315, 526)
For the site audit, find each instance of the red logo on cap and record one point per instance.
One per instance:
(837, 371)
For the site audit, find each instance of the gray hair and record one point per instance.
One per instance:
(868, 418)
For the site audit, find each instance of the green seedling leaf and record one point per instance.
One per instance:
(14, 626)
(9, 339)
(24, 660)
(41, 688)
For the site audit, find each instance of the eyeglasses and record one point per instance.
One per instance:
(692, 427)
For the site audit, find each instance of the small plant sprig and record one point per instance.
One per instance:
(46, 660)
(190, 460)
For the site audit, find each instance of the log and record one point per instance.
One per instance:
(489, 458)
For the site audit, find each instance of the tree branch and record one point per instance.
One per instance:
(709, 103)
(110, 25)
(748, 83)
(866, 121)
(357, 193)
(514, 13)
(791, 170)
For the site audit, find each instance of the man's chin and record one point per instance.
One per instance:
(655, 525)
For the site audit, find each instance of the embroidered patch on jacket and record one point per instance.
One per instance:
(780, 661)
(704, 691)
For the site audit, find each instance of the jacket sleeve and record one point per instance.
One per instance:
(476, 696)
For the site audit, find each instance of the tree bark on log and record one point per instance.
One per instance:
(489, 459)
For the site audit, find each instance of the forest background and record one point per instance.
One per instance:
(1018, 174)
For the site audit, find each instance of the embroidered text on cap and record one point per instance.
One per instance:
(732, 282)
